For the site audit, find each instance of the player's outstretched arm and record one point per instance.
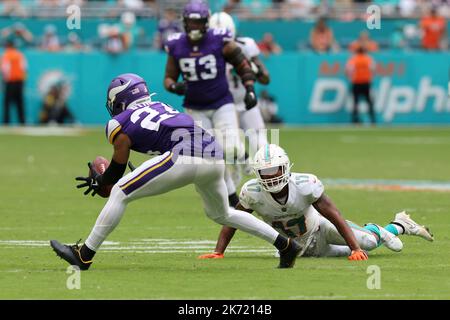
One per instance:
(234, 55)
(225, 236)
(328, 209)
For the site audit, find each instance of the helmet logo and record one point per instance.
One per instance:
(115, 91)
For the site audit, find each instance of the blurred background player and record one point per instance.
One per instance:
(140, 125)
(251, 121)
(296, 205)
(200, 56)
(55, 109)
(14, 71)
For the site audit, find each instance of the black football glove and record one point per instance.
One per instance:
(178, 88)
(91, 182)
(250, 97)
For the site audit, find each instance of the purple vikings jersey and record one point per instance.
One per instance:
(155, 128)
(203, 67)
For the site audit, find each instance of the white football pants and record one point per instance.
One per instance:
(251, 121)
(162, 174)
(223, 124)
(328, 241)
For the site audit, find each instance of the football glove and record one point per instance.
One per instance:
(358, 255)
(214, 255)
(178, 88)
(250, 97)
(91, 182)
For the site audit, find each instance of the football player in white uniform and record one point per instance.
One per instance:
(248, 119)
(296, 205)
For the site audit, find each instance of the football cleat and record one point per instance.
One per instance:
(71, 254)
(289, 255)
(390, 240)
(411, 227)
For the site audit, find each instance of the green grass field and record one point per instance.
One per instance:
(152, 253)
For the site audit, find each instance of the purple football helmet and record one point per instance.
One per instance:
(195, 19)
(123, 90)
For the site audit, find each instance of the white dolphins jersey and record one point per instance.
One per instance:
(297, 218)
(250, 50)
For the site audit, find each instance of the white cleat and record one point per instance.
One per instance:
(411, 227)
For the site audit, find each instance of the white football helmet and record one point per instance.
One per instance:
(268, 161)
(222, 20)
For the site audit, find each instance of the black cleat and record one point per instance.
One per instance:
(70, 253)
(289, 255)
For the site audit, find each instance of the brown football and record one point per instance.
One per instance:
(100, 165)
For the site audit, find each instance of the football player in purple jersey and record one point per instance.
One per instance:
(188, 155)
(199, 56)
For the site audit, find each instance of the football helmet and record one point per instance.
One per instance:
(271, 160)
(222, 20)
(196, 19)
(123, 91)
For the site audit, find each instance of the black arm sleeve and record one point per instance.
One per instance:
(241, 64)
(114, 172)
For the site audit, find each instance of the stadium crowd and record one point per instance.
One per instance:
(121, 31)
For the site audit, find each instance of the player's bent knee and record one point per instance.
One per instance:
(216, 217)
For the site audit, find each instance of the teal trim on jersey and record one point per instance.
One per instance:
(392, 229)
(373, 228)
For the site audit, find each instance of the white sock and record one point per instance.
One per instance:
(108, 219)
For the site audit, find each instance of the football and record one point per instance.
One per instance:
(100, 165)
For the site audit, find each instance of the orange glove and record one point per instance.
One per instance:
(215, 255)
(358, 255)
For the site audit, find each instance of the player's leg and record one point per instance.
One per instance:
(6, 103)
(355, 112)
(251, 122)
(333, 250)
(211, 187)
(366, 94)
(19, 102)
(367, 239)
(155, 176)
(226, 130)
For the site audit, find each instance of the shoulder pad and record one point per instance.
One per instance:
(248, 192)
(113, 127)
(309, 186)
